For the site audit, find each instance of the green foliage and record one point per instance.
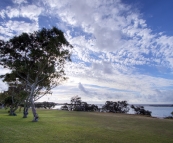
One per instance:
(78, 105)
(39, 55)
(140, 110)
(3, 95)
(46, 105)
(37, 60)
(116, 107)
(13, 97)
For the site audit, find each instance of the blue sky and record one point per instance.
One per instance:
(123, 49)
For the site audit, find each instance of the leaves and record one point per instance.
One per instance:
(120, 106)
(37, 59)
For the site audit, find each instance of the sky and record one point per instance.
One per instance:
(123, 49)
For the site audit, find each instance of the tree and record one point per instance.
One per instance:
(45, 105)
(12, 98)
(15, 95)
(116, 107)
(37, 60)
(3, 96)
(75, 102)
(109, 106)
(91, 108)
(140, 110)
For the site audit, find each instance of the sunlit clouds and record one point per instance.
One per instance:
(116, 55)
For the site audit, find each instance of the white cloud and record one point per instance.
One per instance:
(31, 11)
(119, 39)
(110, 39)
(2, 14)
(3, 71)
(19, 1)
(12, 12)
(28, 11)
(11, 28)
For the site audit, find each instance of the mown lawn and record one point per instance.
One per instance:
(56, 126)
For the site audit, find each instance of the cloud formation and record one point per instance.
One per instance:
(116, 55)
(81, 87)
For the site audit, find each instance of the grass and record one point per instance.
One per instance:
(56, 126)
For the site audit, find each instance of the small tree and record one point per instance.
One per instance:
(75, 102)
(91, 108)
(116, 107)
(37, 59)
(140, 110)
(13, 97)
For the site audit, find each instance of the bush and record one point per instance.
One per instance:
(116, 107)
(140, 110)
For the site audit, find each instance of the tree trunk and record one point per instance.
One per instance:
(25, 109)
(12, 111)
(25, 112)
(35, 119)
(31, 100)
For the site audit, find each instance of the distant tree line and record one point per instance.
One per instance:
(110, 106)
(45, 105)
(78, 105)
(11, 102)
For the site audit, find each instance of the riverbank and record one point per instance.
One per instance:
(67, 126)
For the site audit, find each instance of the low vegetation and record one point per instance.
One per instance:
(87, 127)
(140, 110)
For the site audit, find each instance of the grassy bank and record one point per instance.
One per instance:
(67, 127)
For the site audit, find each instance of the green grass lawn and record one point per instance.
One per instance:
(56, 126)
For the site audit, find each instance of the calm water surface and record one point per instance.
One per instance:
(159, 112)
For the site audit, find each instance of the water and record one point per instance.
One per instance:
(57, 107)
(159, 111)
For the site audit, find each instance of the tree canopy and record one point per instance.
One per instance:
(78, 105)
(116, 107)
(37, 59)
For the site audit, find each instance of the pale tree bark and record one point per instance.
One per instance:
(35, 116)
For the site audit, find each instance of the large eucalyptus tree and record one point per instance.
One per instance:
(37, 59)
